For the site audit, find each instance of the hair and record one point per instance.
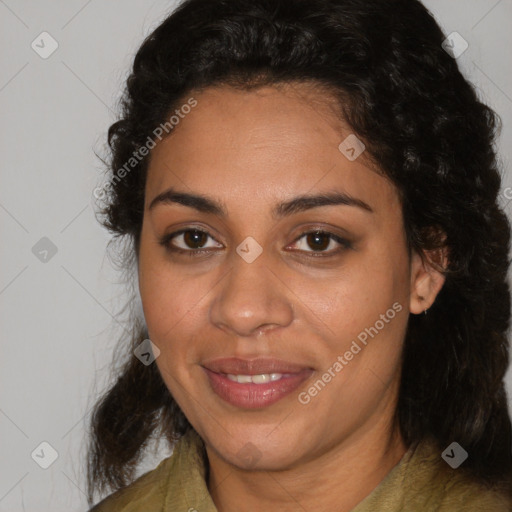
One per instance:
(425, 128)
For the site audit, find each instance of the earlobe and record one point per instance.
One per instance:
(427, 279)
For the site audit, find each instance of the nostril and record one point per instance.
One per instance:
(261, 330)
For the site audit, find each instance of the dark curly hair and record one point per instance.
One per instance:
(424, 127)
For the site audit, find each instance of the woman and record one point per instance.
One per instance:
(310, 193)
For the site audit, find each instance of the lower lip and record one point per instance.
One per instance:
(255, 396)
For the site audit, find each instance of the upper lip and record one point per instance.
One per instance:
(237, 366)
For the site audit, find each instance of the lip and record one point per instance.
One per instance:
(237, 366)
(250, 395)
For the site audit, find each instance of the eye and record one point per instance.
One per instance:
(321, 242)
(194, 242)
(190, 241)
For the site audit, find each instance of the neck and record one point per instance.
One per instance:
(337, 480)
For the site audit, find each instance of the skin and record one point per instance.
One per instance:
(250, 151)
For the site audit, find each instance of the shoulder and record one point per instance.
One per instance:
(424, 482)
(433, 481)
(473, 497)
(167, 486)
(458, 491)
(147, 491)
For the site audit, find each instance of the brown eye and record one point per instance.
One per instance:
(321, 243)
(195, 239)
(318, 241)
(190, 241)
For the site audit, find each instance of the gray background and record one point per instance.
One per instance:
(58, 318)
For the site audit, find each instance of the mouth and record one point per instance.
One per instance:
(256, 383)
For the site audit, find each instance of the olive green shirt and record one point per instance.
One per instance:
(421, 482)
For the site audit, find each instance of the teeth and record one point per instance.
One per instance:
(255, 379)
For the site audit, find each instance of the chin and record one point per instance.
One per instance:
(258, 452)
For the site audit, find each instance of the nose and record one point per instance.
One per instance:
(251, 298)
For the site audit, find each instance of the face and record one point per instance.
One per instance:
(304, 303)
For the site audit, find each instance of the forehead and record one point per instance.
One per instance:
(262, 144)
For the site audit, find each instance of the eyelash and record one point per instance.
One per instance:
(165, 241)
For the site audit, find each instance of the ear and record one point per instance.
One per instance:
(427, 278)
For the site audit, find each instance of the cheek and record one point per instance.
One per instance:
(364, 315)
(169, 297)
(171, 304)
(356, 298)
(172, 312)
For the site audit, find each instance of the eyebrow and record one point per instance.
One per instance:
(297, 204)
